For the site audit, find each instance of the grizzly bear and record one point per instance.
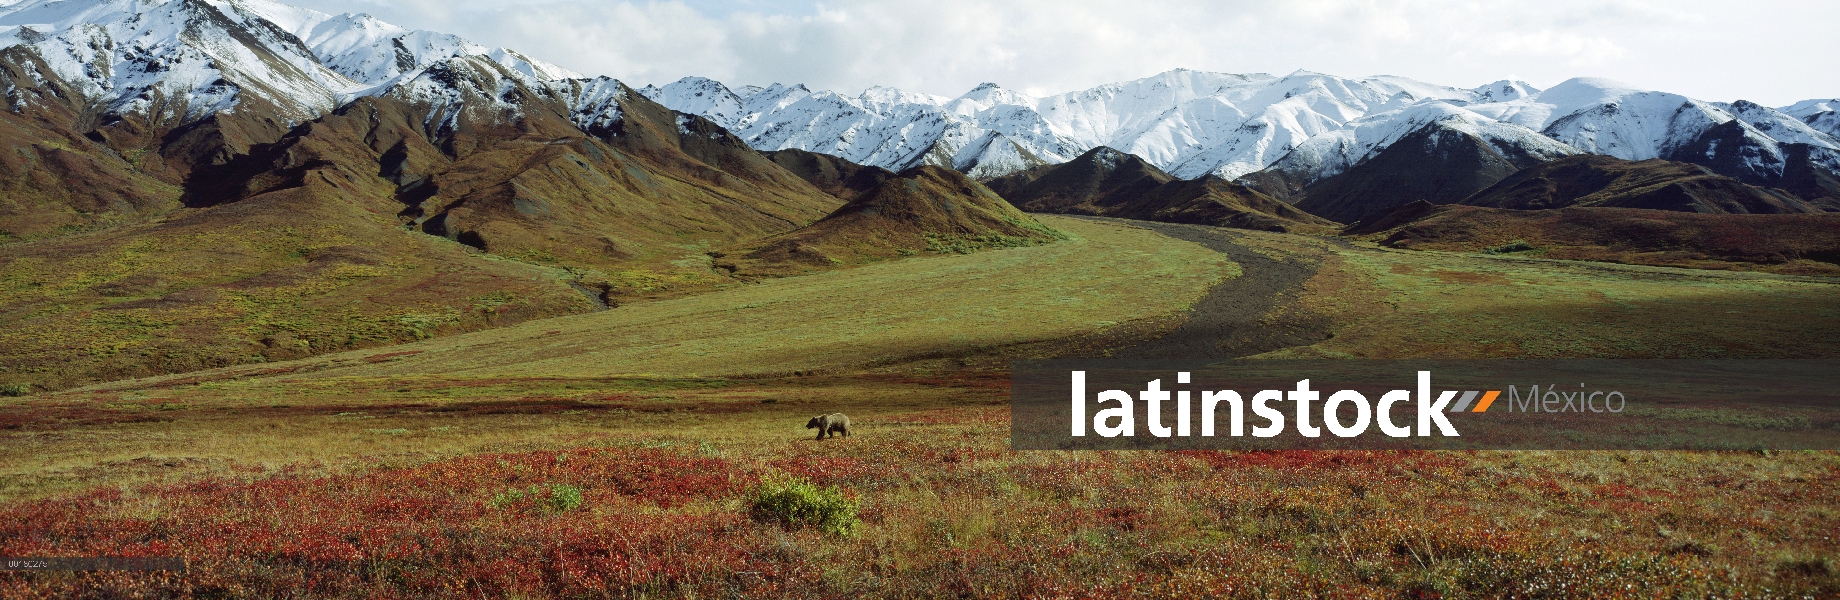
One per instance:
(832, 424)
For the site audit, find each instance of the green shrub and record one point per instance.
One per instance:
(967, 244)
(1038, 227)
(563, 498)
(555, 497)
(1511, 247)
(795, 503)
(15, 389)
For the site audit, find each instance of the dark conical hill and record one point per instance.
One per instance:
(1437, 164)
(1106, 182)
(923, 209)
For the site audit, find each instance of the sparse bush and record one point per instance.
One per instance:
(15, 389)
(966, 244)
(421, 326)
(1808, 566)
(555, 497)
(564, 498)
(1038, 227)
(796, 503)
(1511, 247)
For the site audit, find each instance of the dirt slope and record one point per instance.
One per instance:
(1806, 244)
(1592, 180)
(836, 176)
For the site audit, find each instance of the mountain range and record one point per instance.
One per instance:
(227, 74)
(1310, 126)
(210, 182)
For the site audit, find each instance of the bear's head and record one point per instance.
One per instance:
(815, 422)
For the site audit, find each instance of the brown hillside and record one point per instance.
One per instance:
(310, 243)
(163, 143)
(53, 179)
(633, 205)
(836, 176)
(288, 273)
(1795, 243)
(1107, 182)
(924, 209)
(1593, 180)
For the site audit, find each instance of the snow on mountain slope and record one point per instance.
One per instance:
(828, 123)
(880, 99)
(699, 96)
(994, 155)
(1809, 108)
(1591, 115)
(1822, 115)
(595, 103)
(1194, 123)
(182, 56)
(371, 51)
(984, 97)
(198, 57)
(1605, 117)
(1190, 122)
(1637, 126)
(485, 89)
(1779, 126)
(459, 85)
(1094, 116)
(1504, 91)
(1330, 154)
(190, 58)
(1026, 127)
(375, 53)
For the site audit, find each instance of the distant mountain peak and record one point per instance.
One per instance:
(212, 56)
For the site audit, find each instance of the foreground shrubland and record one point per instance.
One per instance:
(928, 501)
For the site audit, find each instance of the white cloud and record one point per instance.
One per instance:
(1775, 51)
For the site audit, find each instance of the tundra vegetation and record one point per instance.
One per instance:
(658, 449)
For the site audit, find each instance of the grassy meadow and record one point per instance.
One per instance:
(1108, 275)
(626, 453)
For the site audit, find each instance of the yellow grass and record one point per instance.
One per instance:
(1421, 304)
(1108, 274)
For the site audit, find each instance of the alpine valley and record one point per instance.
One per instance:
(188, 184)
(301, 305)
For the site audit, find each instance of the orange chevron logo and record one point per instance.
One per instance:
(1463, 402)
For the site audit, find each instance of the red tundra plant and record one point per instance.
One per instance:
(647, 520)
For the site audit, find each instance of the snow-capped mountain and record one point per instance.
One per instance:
(1332, 153)
(1190, 122)
(1822, 115)
(192, 58)
(195, 57)
(181, 60)
(1194, 123)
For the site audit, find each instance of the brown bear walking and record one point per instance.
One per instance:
(832, 424)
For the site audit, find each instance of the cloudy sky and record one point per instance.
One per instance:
(1769, 51)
